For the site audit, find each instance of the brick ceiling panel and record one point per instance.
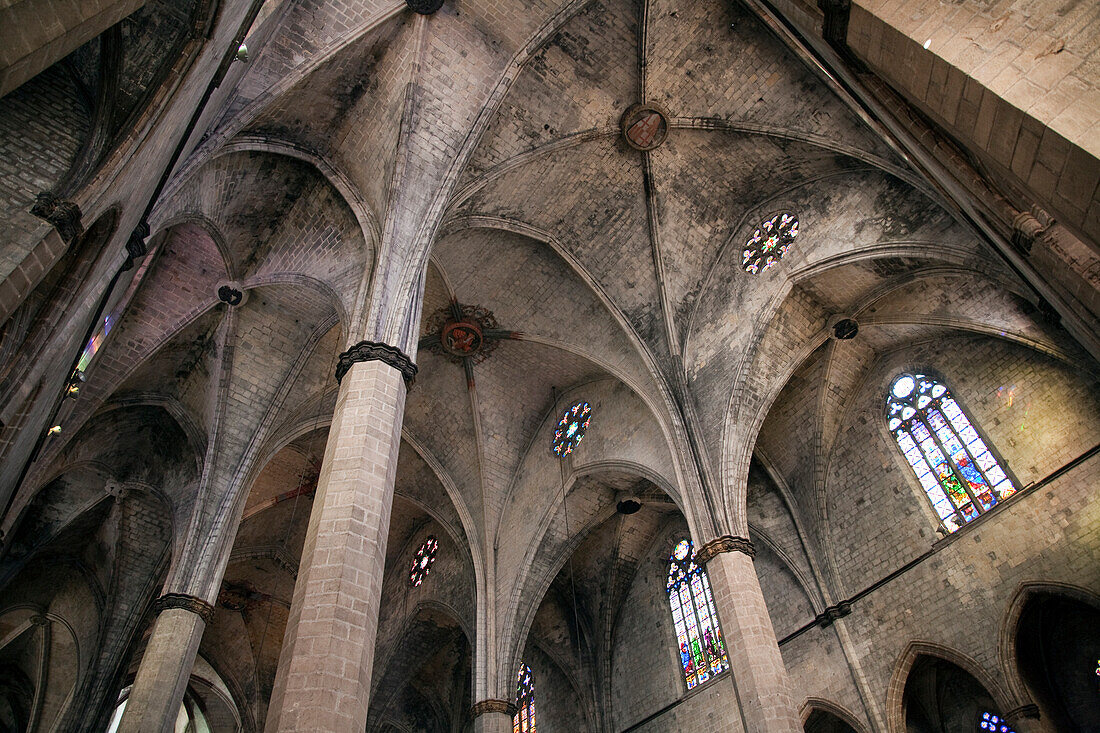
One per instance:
(582, 79)
(714, 59)
(529, 288)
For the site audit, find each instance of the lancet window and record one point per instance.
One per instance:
(698, 636)
(524, 719)
(961, 476)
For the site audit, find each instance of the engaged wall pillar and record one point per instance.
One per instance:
(759, 675)
(323, 680)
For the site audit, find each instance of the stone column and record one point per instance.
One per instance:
(166, 665)
(759, 675)
(493, 716)
(323, 680)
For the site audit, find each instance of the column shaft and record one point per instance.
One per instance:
(760, 676)
(162, 677)
(493, 723)
(323, 681)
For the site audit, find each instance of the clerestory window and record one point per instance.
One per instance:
(958, 472)
(702, 650)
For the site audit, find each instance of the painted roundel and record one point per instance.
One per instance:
(571, 428)
(422, 561)
(769, 243)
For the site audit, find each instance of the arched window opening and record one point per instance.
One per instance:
(422, 561)
(524, 719)
(958, 472)
(702, 650)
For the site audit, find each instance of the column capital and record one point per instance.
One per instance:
(1030, 711)
(193, 604)
(725, 543)
(377, 351)
(493, 705)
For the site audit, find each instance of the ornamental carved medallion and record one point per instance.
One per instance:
(460, 332)
(461, 338)
(644, 126)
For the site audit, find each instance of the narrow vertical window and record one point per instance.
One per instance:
(702, 650)
(958, 472)
(524, 719)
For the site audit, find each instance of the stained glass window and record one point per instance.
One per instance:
(422, 561)
(769, 242)
(524, 719)
(958, 472)
(571, 428)
(94, 343)
(992, 722)
(702, 650)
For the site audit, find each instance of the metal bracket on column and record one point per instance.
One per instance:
(375, 351)
(493, 706)
(725, 543)
(193, 604)
(63, 215)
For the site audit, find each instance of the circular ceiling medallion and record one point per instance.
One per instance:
(463, 332)
(424, 7)
(644, 126)
(845, 329)
(461, 338)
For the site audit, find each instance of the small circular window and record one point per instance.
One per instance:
(769, 243)
(571, 428)
(422, 561)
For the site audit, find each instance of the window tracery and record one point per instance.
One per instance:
(571, 428)
(698, 636)
(769, 242)
(994, 723)
(957, 470)
(422, 561)
(524, 719)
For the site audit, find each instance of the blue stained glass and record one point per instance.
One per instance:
(524, 719)
(995, 723)
(933, 432)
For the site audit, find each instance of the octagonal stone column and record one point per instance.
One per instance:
(323, 680)
(493, 716)
(759, 675)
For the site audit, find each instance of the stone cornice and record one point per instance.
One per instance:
(193, 604)
(493, 706)
(725, 543)
(375, 351)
